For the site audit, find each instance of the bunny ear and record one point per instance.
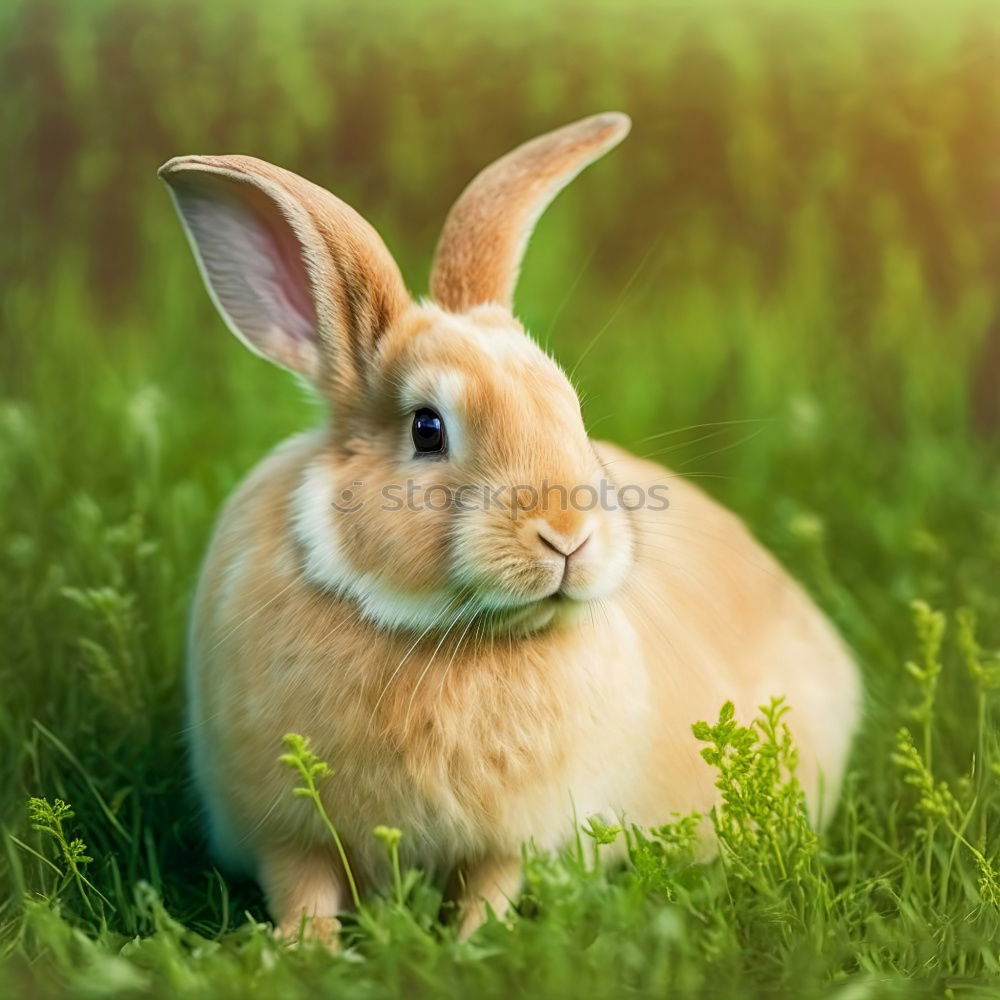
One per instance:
(297, 275)
(484, 237)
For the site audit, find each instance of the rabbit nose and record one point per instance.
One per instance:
(565, 545)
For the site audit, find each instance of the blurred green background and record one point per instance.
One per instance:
(791, 264)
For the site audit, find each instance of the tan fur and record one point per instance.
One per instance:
(420, 649)
(485, 234)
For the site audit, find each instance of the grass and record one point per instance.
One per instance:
(782, 284)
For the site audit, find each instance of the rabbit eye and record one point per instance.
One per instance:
(428, 432)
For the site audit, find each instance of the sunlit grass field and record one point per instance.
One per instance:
(783, 284)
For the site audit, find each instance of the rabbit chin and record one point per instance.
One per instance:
(526, 619)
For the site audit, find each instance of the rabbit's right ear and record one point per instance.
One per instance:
(297, 275)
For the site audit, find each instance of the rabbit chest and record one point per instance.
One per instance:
(490, 752)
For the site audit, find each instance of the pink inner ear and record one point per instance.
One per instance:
(253, 263)
(292, 279)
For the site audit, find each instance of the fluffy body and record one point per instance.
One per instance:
(478, 742)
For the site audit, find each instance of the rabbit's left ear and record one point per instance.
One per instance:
(297, 275)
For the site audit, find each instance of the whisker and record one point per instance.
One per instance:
(712, 537)
(698, 427)
(437, 619)
(732, 444)
(619, 305)
(423, 674)
(569, 294)
(708, 436)
(253, 614)
(458, 646)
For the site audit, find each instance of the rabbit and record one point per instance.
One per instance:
(491, 655)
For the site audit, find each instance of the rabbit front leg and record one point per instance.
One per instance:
(488, 884)
(305, 890)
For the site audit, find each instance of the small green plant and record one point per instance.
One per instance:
(311, 770)
(936, 801)
(390, 836)
(762, 821)
(659, 853)
(769, 849)
(50, 818)
(939, 805)
(930, 627)
(983, 669)
(601, 833)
